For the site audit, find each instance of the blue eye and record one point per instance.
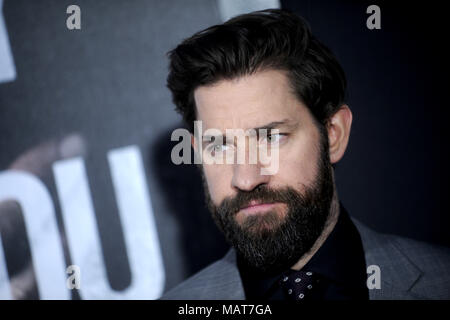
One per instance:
(220, 147)
(274, 138)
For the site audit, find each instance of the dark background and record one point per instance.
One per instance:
(394, 176)
(106, 82)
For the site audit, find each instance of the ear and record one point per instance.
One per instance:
(338, 128)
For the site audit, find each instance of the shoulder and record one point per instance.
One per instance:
(434, 264)
(409, 268)
(220, 280)
(430, 258)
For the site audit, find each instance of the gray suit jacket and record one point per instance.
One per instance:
(409, 270)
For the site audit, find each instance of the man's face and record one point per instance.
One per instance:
(270, 219)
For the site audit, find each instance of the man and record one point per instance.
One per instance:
(291, 237)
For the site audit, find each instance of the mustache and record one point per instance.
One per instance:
(261, 194)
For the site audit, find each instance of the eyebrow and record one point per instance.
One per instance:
(268, 126)
(275, 124)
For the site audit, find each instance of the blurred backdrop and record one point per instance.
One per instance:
(91, 206)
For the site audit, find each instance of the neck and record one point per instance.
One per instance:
(329, 226)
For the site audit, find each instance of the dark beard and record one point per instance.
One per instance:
(268, 242)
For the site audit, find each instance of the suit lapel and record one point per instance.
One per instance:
(229, 283)
(398, 273)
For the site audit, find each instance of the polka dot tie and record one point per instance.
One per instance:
(299, 285)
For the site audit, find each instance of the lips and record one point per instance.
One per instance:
(255, 203)
(255, 207)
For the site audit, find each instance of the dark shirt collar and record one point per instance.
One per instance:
(340, 259)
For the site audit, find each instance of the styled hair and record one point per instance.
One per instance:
(268, 39)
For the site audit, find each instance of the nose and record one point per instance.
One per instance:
(247, 177)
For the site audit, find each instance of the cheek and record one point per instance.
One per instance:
(298, 166)
(218, 179)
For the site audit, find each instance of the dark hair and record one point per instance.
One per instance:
(267, 39)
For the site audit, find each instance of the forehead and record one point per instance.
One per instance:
(248, 102)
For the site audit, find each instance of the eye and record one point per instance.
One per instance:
(220, 148)
(274, 138)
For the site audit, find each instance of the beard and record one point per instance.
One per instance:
(270, 242)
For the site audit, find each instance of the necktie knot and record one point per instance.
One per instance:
(299, 285)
